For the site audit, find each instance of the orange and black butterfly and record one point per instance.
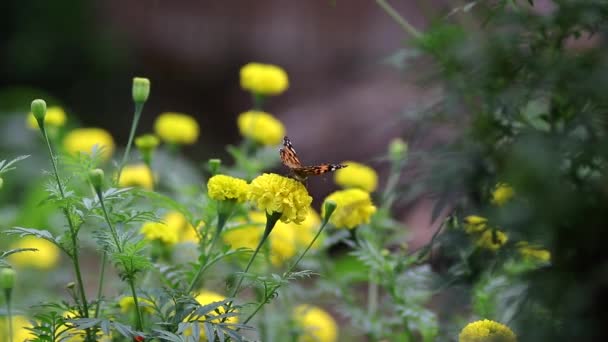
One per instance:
(289, 157)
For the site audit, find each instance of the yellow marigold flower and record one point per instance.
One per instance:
(273, 193)
(138, 175)
(305, 231)
(55, 117)
(532, 252)
(486, 331)
(159, 231)
(261, 127)
(475, 224)
(502, 194)
(316, 324)
(222, 188)
(354, 207)
(177, 128)
(127, 304)
(357, 175)
(264, 79)
(492, 239)
(176, 221)
(84, 139)
(45, 258)
(281, 242)
(20, 325)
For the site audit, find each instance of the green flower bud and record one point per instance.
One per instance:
(7, 278)
(330, 207)
(96, 178)
(39, 110)
(397, 149)
(146, 144)
(70, 286)
(214, 165)
(1, 183)
(141, 89)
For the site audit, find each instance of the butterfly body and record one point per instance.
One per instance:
(289, 157)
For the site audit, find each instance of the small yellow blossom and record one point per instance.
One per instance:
(305, 231)
(20, 331)
(273, 193)
(264, 79)
(84, 139)
(475, 224)
(532, 252)
(222, 188)
(281, 242)
(502, 194)
(55, 117)
(492, 239)
(354, 207)
(176, 221)
(138, 175)
(161, 232)
(315, 324)
(127, 304)
(177, 128)
(486, 331)
(45, 258)
(357, 175)
(261, 127)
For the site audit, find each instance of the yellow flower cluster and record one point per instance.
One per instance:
(354, 207)
(273, 193)
(486, 331)
(174, 229)
(176, 128)
(45, 258)
(357, 175)
(502, 194)
(222, 187)
(533, 253)
(492, 239)
(475, 224)
(20, 329)
(84, 139)
(138, 175)
(55, 117)
(261, 127)
(316, 324)
(264, 79)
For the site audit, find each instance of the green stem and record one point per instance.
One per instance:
(221, 222)
(100, 284)
(9, 313)
(372, 297)
(130, 280)
(286, 274)
(138, 109)
(405, 25)
(271, 220)
(73, 234)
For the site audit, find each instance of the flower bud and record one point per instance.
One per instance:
(397, 149)
(96, 178)
(329, 208)
(39, 110)
(7, 278)
(146, 144)
(70, 286)
(1, 183)
(141, 89)
(214, 165)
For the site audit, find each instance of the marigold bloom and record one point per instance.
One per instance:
(273, 193)
(261, 127)
(486, 331)
(55, 117)
(305, 231)
(282, 241)
(357, 175)
(502, 194)
(222, 188)
(532, 252)
(84, 139)
(315, 324)
(475, 224)
(45, 258)
(492, 239)
(20, 331)
(161, 232)
(177, 128)
(138, 175)
(127, 304)
(264, 79)
(354, 207)
(177, 221)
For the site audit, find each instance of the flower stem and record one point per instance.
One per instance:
(138, 109)
(100, 284)
(407, 27)
(84, 309)
(221, 222)
(9, 313)
(271, 221)
(129, 278)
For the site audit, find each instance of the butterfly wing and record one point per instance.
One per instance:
(289, 157)
(316, 170)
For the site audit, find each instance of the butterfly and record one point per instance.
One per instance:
(289, 157)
